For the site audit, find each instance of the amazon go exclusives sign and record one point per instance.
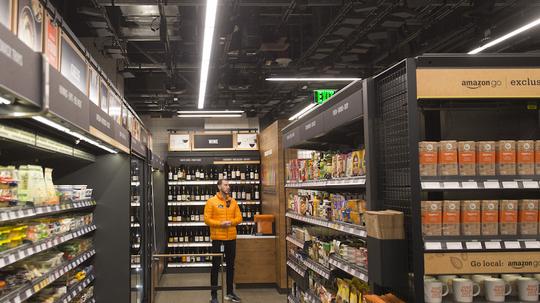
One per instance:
(433, 83)
(482, 262)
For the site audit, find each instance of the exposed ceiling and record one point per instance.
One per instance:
(158, 44)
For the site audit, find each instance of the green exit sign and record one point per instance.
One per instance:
(321, 95)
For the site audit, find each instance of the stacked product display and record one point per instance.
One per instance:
(188, 189)
(40, 242)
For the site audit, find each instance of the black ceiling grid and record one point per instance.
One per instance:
(158, 43)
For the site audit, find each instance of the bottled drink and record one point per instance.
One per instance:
(202, 174)
(248, 195)
(169, 216)
(170, 175)
(170, 195)
(256, 177)
(242, 175)
(175, 174)
(238, 172)
(243, 193)
(256, 193)
(174, 215)
(251, 174)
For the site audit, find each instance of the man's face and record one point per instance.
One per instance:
(225, 187)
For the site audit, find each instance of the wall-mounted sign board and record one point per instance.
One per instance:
(138, 147)
(469, 83)
(213, 141)
(180, 142)
(482, 262)
(247, 141)
(291, 138)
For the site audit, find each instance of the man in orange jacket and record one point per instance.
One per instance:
(222, 215)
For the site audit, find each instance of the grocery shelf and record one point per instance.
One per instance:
(200, 223)
(190, 244)
(311, 298)
(480, 183)
(295, 242)
(92, 300)
(352, 229)
(348, 267)
(255, 237)
(200, 203)
(213, 182)
(317, 268)
(75, 290)
(292, 299)
(481, 245)
(18, 253)
(28, 290)
(301, 270)
(332, 183)
(15, 213)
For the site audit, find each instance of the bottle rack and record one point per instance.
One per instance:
(190, 185)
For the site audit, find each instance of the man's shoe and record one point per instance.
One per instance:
(233, 298)
(214, 300)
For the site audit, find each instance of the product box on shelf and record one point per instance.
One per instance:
(486, 158)
(467, 158)
(448, 158)
(428, 158)
(432, 218)
(451, 218)
(508, 217)
(525, 157)
(470, 217)
(358, 163)
(506, 157)
(528, 217)
(490, 217)
(385, 225)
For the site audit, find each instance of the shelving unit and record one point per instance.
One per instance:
(76, 289)
(186, 198)
(415, 101)
(336, 125)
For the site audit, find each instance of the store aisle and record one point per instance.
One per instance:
(250, 295)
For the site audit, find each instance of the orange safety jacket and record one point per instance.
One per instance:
(216, 211)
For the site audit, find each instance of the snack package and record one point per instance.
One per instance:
(490, 217)
(528, 217)
(508, 217)
(428, 152)
(357, 163)
(431, 218)
(448, 158)
(525, 157)
(467, 158)
(470, 218)
(486, 158)
(451, 218)
(506, 157)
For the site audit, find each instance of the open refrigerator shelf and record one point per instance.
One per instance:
(19, 213)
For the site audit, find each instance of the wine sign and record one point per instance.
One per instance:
(247, 141)
(179, 142)
(213, 141)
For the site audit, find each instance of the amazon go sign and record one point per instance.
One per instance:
(482, 262)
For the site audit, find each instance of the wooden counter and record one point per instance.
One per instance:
(255, 260)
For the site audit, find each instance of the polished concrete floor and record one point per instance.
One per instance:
(248, 295)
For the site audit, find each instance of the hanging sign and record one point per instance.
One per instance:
(180, 142)
(321, 95)
(213, 141)
(247, 141)
(465, 83)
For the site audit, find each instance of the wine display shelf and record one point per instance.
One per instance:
(201, 203)
(213, 182)
(18, 253)
(23, 293)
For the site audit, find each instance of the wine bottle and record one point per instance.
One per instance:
(170, 195)
(248, 195)
(251, 174)
(256, 177)
(175, 174)
(256, 193)
(243, 175)
(174, 215)
(170, 175)
(243, 193)
(202, 174)
(169, 216)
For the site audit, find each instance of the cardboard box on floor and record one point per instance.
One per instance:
(385, 225)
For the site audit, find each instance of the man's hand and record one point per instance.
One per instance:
(225, 223)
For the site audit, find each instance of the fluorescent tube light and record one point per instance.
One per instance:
(209, 116)
(314, 79)
(210, 111)
(505, 37)
(303, 111)
(209, 26)
(4, 101)
(72, 133)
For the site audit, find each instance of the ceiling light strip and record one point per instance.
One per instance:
(209, 26)
(314, 79)
(210, 111)
(209, 116)
(505, 37)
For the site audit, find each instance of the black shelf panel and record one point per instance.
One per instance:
(18, 253)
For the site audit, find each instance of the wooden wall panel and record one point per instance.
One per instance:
(273, 191)
(255, 261)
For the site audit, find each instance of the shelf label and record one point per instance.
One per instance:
(532, 244)
(510, 184)
(433, 245)
(512, 245)
(473, 245)
(431, 185)
(469, 184)
(451, 185)
(491, 184)
(493, 245)
(530, 184)
(454, 245)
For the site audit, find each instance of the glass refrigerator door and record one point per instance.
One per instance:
(136, 234)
